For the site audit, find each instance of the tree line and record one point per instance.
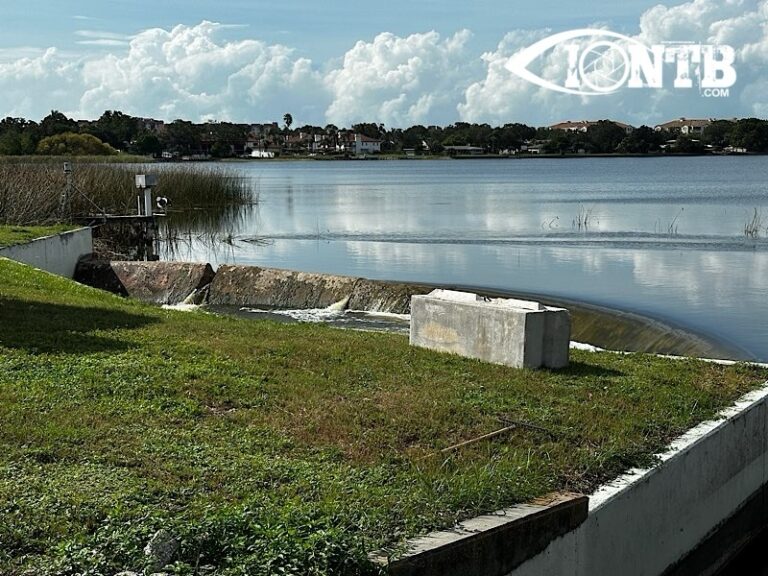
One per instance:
(115, 131)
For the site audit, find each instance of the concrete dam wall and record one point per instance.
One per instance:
(256, 287)
(153, 282)
(271, 287)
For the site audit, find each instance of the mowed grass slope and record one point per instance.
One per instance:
(270, 448)
(12, 235)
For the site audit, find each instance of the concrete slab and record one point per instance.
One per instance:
(517, 333)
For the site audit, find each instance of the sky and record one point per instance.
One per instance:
(398, 62)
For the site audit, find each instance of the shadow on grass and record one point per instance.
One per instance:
(59, 328)
(582, 369)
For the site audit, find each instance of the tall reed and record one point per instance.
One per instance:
(31, 193)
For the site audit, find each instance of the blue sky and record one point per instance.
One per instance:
(321, 30)
(399, 62)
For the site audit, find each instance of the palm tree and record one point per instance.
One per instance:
(288, 120)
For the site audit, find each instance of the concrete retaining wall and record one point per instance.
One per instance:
(647, 523)
(57, 254)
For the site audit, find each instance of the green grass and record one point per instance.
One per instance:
(11, 235)
(271, 448)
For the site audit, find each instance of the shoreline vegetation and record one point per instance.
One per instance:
(116, 134)
(266, 448)
(41, 193)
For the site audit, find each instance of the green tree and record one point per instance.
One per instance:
(687, 145)
(605, 136)
(750, 133)
(221, 150)
(147, 144)
(559, 142)
(642, 140)
(181, 136)
(513, 135)
(70, 144)
(287, 120)
(10, 143)
(718, 133)
(115, 128)
(56, 123)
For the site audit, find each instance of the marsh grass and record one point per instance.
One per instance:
(754, 226)
(43, 159)
(289, 449)
(30, 193)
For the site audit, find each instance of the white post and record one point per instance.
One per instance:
(148, 202)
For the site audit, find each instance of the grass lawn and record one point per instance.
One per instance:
(11, 235)
(272, 448)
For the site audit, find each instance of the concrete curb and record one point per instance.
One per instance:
(492, 544)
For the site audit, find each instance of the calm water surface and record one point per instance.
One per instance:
(661, 236)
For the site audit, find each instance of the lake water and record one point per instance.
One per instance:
(679, 239)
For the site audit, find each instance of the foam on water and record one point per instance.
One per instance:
(354, 319)
(182, 307)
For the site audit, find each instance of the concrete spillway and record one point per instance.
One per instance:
(252, 286)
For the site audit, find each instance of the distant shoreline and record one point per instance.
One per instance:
(390, 157)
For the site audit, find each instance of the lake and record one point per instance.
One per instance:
(681, 239)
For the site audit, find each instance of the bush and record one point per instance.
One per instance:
(70, 144)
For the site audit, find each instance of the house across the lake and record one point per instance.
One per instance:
(358, 144)
(585, 125)
(685, 125)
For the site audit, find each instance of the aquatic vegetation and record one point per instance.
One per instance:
(583, 219)
(753, 226)
(42, 193)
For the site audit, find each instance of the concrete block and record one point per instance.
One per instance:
(517, 333)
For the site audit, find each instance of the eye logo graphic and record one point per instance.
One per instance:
(601, 62)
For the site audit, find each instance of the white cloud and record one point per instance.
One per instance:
(189, 72)
(197, 72)
(103, 42)
(400, 81)
(503, 97)
(102, 34)
(27, 81)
